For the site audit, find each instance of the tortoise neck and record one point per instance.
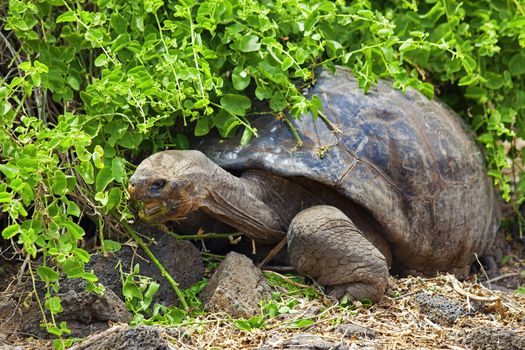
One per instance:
(239, 203)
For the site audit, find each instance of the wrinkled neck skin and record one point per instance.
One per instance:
(239, 203)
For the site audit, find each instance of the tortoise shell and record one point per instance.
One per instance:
(410, 161)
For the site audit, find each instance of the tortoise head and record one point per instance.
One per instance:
(170, 184)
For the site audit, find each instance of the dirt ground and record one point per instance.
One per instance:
(416, 313)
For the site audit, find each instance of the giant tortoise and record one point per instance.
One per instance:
(400, 186)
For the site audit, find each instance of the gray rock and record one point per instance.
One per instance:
(494, 339)
(304, 341)
(87, 307)
(236, 288)
(135, 338)
(439, 309)
(84, 312)
(350, 330)
(180, 258)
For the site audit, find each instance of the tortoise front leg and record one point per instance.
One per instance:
(325, 245)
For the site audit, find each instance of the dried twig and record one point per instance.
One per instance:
(97, 337)
(273, 252)
(501, 277)
(462, 292)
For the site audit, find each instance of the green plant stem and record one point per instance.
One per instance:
(294, 131)
(163, 271)
(204, 235)
(211, 255)
(33, 282)
(329, 123)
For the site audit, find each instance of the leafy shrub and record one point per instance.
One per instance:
(89, 87)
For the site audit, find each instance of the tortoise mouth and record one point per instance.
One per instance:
(154, 211)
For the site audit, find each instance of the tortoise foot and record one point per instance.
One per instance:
(324, 244)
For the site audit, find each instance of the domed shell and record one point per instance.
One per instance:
(407, 159)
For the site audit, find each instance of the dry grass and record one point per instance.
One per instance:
(397, 321)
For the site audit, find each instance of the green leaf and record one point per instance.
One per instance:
(263, 92)
(28, 164)
(286, 63)
(243, 325)
(73, 82)
(72, 209)
(476, 93)
(407, 45)
(470, 79)
(517, 64)
(254, 322)
(131, 140)
(27, 194)
(236, 104)
(72, 267)
(152, 289)
(74, 229)
(226, 123)
(25, 66)
(330, 7)
(118, 169)
(54, 305)
(101, 60)
(104, 178)
(82, 255)
(367, 303)
(9, 170)
(202, 127)
(246, 136)
(59, 183)
(310, 22)
(89, 276)
(116, 129)
(494, 81)
(86, 171)
(17, 184)
(249, 43)
(114, 198)
(469, 63)
(4, 91)
(111, 246)
(47, 274)
(302, 323)
(68, 16)
(272, 71)
(240, 78)
(151, 6)
(102, 198)
(98, 157)
(365, 13)
(118, 23)
(5, 197)
(5, 107)
(95, 36)
(486, 138)
(181, 141)
(10, 231)
(278, 102)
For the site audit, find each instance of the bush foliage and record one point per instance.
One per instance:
(89, 87)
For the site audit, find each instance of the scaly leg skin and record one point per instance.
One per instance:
(325, 245)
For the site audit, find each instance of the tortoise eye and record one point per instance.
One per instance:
(157, 185)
